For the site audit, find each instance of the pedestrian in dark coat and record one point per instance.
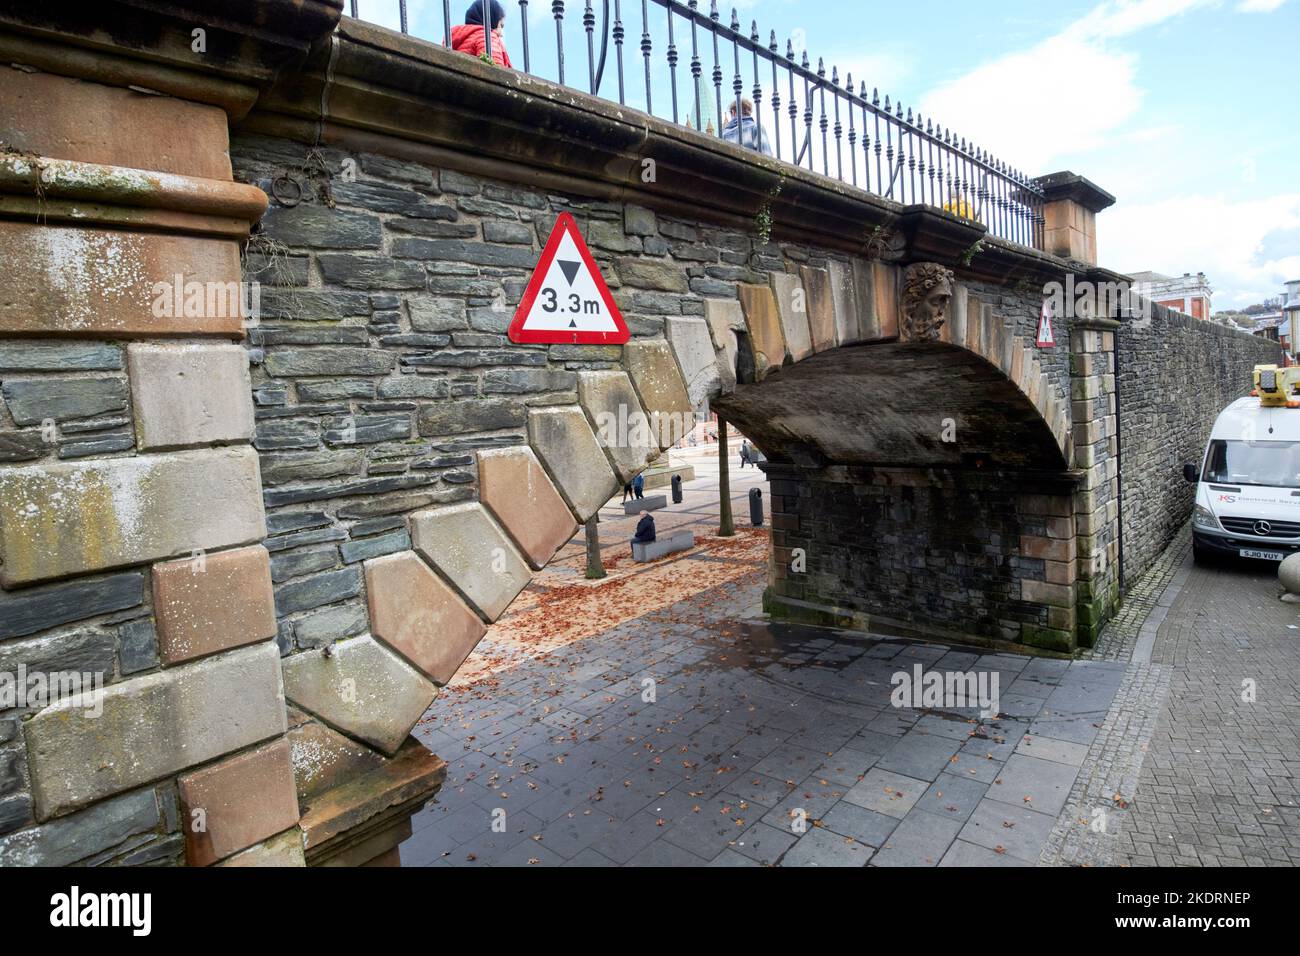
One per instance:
(645, 530)
(638, 485)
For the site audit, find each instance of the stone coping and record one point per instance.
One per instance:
(378, 90)
(149, 45)
(115, 195)
(376, 798)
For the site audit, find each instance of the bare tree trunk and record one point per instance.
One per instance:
(595, 569)
(727, 527)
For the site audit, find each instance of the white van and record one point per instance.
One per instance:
(1248, 486)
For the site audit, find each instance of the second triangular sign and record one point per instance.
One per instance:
(567, 300)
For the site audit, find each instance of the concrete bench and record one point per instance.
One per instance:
(643, 551)
(635, 506)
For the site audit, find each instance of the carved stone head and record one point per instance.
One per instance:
(927, 291)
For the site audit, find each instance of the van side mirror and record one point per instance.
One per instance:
(1191, 472)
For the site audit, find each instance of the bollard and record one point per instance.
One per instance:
(677, 489)
(756, 507)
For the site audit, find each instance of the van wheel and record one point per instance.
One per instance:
(1203, 556)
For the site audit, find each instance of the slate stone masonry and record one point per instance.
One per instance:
(381, 362)
(1175, 374)
(929, 549)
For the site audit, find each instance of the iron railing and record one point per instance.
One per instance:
(828, 127)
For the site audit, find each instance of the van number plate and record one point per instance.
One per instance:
(1262, 555)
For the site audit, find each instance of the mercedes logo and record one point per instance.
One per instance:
(1262, 527)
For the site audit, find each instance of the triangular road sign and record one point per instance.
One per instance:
(1045, 338)
(567, 300)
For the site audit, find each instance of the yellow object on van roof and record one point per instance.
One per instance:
(1277, 387)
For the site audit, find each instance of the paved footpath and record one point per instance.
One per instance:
(700, 734)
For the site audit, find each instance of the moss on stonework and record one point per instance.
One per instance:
(1093, 615)
(1049, 638)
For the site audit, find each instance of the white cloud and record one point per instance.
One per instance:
(1030, 108)
(1224, 239)
(1259, 6)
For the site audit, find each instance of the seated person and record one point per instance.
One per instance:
(645, 529)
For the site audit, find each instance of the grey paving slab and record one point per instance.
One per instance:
(1059, 751)
(962, 853)
(921, 839)
(919, 755)
(885, 792)
(819, 847)
(953, 796)
(1033, 783)
(1005, 828)
(865, 826)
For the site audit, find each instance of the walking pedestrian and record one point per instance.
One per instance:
(638, 486)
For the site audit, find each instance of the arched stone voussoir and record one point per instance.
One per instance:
(622, 427)
(415, 613)
(468, 547)
(360, 687)
(662, 388)
(567, 447)
(697, 359)
(516, 489)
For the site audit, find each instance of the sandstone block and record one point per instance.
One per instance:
(821, 307)
(659, 382)
(566, 445)
(65, 118)
(844, 301)
(213, 603)
(420, 617)
(724, 318)
(244, 799)
(792, 307)
(186, 395)
(470, 549)
(153, 726)
(763, 322)
(362, 688)
(284, 849)
(69, 280)
(626, 432)
(58, 519)
(693, 347)
(884, 285)
(518, 492)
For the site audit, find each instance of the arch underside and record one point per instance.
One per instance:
(894, 405)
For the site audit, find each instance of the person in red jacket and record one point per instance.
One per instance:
(469, 37)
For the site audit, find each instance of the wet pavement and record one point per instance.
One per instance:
(708, 737)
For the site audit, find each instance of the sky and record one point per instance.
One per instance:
(1184, 110)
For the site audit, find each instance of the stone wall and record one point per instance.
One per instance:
(952, 551)
(130, 502)
(1175, 375)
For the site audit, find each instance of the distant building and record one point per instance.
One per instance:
(1291, 309)
(1275, 327)
(1189, 294)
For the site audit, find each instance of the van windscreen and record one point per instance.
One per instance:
(1272, 463)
